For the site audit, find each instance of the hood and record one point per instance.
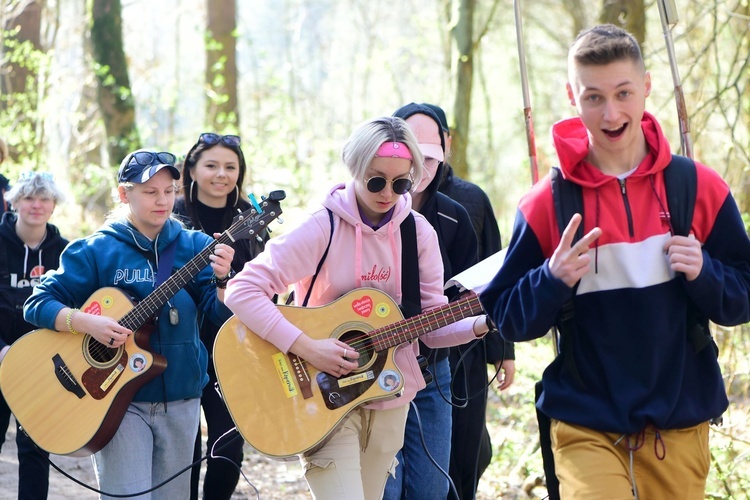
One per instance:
(571, 142)
(342, 201)
(124, 231)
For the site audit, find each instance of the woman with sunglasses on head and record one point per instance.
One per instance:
(212, 176)
(154, 440)
(364, 250)
(31, 246)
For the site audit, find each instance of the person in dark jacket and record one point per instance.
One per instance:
(212, 177)
(430, 415)
(471, 446)
(30, 247)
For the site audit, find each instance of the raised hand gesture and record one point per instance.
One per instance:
(570, 262)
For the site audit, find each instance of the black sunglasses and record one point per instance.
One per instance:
(399, 186)
(211, 139)
(146, 158)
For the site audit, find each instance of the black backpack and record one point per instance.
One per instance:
(681, 184)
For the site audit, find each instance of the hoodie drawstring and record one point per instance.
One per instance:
(635, 442)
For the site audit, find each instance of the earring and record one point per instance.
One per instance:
(190, 192)
(237, 196)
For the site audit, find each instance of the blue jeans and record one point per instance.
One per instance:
(151, 445)
(416, 475)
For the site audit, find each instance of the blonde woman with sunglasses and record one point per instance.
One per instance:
(367, 211)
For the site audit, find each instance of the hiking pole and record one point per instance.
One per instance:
(668, 15)
(525, 89)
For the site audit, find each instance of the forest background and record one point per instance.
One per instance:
(83, 82)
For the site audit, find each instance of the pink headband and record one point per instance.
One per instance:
(393, 150)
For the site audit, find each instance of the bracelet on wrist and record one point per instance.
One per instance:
(69, 320)
(221, 283)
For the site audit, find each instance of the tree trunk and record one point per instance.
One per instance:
(463, 32)
(114, 95)
(19, 94)
(221, 66)
(628, 14)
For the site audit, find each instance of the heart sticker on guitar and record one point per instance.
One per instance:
(94, 308)
(363, 306)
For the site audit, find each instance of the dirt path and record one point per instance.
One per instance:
(274, 479)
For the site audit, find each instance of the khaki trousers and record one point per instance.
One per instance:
(659, 465)
(355, 462)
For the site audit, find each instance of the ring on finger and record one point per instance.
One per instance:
(344, 352)
(111, 341)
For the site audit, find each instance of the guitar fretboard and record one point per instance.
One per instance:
(411, 328)
(246, 224)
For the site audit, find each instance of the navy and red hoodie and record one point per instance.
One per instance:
(630, 348)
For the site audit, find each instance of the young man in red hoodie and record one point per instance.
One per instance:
(631, 395)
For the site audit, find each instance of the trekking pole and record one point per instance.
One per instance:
(525, 89)
(668, 15)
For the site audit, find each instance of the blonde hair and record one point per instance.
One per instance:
(34, 184)
(364, 141)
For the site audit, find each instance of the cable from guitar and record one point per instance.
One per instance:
(427, 452)
(212, 454)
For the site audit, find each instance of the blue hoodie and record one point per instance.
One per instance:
(118, 255)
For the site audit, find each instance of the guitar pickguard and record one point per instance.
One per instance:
(99, 382)
(338, 392)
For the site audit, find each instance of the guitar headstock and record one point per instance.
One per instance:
(251, 222)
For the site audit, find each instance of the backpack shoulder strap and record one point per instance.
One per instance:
(568, 200)
(320, 263)
(681, 184)
(411, 302)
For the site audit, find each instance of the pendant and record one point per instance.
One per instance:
(174, 316)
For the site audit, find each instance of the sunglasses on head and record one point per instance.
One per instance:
(29, 175)
(146, 158)
(399, 186)
(211, 139)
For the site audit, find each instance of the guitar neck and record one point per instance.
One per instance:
(411, 328)
(148, 307)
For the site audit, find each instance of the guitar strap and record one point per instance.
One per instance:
(166, 262)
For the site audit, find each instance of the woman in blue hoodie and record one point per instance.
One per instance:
(155, 438)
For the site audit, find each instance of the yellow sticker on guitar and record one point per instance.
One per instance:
(382, 310)
(107, 301)
(285, 375)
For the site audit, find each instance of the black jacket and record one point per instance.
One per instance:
(21, 268)
(477, 203)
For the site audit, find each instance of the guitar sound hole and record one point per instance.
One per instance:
(99, 355)
(363, 345)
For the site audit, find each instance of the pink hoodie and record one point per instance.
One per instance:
(359, 257)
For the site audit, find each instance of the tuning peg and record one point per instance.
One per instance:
(279, 220)
(258, 239)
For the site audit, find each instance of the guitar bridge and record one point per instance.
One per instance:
(66, 378)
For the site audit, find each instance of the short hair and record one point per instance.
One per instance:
(364, 141)
(34, 184)
(602, 45)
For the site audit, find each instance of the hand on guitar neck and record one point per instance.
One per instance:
(328, 355)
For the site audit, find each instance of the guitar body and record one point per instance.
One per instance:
(282, 405)
(69, 392)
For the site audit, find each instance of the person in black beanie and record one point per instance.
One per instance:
(430, 415)
(471, 446)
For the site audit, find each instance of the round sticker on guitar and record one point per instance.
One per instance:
(389, 380)
(137, 362)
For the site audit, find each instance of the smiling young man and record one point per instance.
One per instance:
(631, 394)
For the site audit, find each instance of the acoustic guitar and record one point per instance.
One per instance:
(282, 405)
(70, 392)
